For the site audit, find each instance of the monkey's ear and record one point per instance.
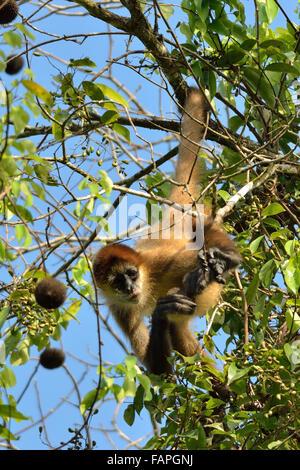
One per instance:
(50, 293)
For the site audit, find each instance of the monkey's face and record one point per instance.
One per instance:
(124, 284)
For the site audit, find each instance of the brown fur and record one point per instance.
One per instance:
(163, 263)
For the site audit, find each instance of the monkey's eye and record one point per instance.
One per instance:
(118, 281)
(132, 273)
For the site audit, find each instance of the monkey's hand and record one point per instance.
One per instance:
(172, 305)
(213, 265)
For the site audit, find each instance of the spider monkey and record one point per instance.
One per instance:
(161, 277)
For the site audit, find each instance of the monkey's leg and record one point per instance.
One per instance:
(135, 329)
(184, 341)
(160, 344)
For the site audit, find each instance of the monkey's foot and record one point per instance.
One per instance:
(173, 304)
(213, 265)
(219, 263)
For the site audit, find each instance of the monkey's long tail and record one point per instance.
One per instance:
(188, 169)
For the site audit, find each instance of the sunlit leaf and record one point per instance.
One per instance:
(272, 209)
(9, 411)
(86, 62)
(38, 90)
(113, 95)
(105, 182)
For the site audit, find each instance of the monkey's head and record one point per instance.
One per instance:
(118, 273)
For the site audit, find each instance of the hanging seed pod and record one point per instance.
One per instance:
(50, 293)
(14, 65)
(8, 11)
(51, 358)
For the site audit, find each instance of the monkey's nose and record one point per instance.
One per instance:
(135, 292)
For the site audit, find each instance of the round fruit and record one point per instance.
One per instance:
(51, 358)
(50, 293)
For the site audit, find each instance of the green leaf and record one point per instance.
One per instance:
(74, 308)
(273, 209)
(132, 368)
(292, 352)
(21, 355)
(139, 399)
(22, 232)
(19, 117)
(167, 11)
(235, 374)
(145, 382)
(9, 165)
(105, 182)
(3, 315)
(259, 84)
(113, 95)
(86, 62)
(233, 56)
(13, 39)
(235, 122)
(224, 195)
(129, 415)
(272, 43)
(6, 434)
(292, 275)
(12, 339)
(38, 90)
(118, 392)
(218, 27)
(7, 378)
(93, 396)
(248, 44)
(2, 352)
(122, 130)
(255, 244)
(271, 9)
(22, 212)
(129, 386)
(252, 289)
(283, 67)
(93, 91)
(94, 188)
(266, 273)
(290, 247)
(8, 411)
(42, 172)
(109, 116)
(292, 320)
(24, 30)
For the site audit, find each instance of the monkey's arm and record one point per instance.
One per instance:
(133, 326)
(161, 337)
(171, 330)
